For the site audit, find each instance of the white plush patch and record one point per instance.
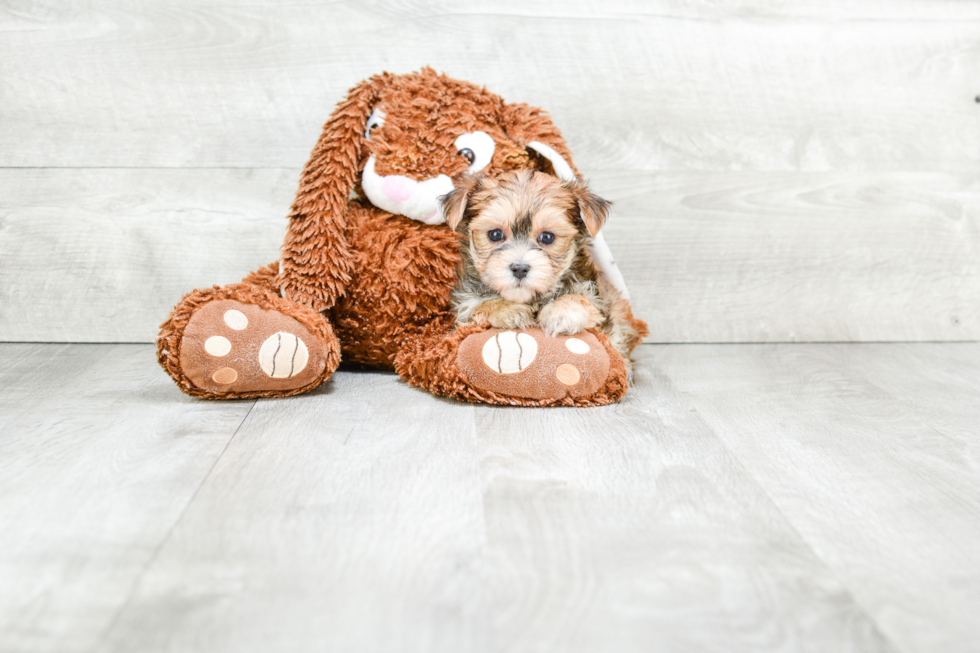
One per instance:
(577, 346)
(482, 146)
(283, 355)
(236, 319)
(217, 346)
(509, 352)
(418, 200)
(599, 250)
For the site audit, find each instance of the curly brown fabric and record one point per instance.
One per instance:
(375, 286)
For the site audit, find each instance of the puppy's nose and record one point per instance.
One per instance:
(520, 269)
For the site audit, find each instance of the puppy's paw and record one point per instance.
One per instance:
(568, 315)
(503, 314)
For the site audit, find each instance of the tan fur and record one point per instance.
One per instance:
(503, 314)
(562, 291)
(569, 314)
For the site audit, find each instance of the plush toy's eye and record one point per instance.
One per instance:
(546, 238)
(480, 147)
(375, 120)
(495, 235)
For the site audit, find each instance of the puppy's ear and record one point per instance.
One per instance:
(457, 201)
(592, 209)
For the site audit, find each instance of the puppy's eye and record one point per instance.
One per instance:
(467, 154)
(546, 238)
(495, 235)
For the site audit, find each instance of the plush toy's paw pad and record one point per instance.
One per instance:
(232, 347)
(531, 365)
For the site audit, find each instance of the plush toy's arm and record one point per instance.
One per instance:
(316, 261)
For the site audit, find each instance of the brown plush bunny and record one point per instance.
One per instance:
(369, 278)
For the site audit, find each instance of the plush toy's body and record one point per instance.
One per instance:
(370, 279)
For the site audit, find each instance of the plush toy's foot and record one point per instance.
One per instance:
(530, 365)
(264, 346)
(518, 368)
(229, 346)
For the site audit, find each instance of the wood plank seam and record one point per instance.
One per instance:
(166, 538)
(772, 503)
(851, 403)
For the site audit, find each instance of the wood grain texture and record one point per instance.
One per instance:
(782, 172)
(784, 257)
(742, 498)
(936, 382)
(349, 519)
(337, 522)
(99, 457)
(664, 85)
(103, 255)
(632, 528)
(870, 452)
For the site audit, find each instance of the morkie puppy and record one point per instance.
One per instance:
(524, 258)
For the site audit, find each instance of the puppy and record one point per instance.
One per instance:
(524, 258)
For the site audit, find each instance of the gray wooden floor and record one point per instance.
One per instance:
(742, 498)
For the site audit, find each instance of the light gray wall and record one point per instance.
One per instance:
(781, 171)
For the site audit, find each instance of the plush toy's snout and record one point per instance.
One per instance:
(418, 199)
(402, 195)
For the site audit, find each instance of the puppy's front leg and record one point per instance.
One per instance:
(568, 315)
(503, 314)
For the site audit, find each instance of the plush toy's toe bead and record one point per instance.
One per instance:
(576, 346)
(568, 374)
(217, 346)
(236, 319)
(531, 365)
(283, 355)
(225, 376)
(232, 347)
(509, 352)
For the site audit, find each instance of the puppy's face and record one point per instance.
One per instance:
(525, 229)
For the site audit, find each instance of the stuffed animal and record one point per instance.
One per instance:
(368, 265)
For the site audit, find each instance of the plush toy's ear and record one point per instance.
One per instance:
(456, 202)
(316, 262)
(592, 209)
(533, 129)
